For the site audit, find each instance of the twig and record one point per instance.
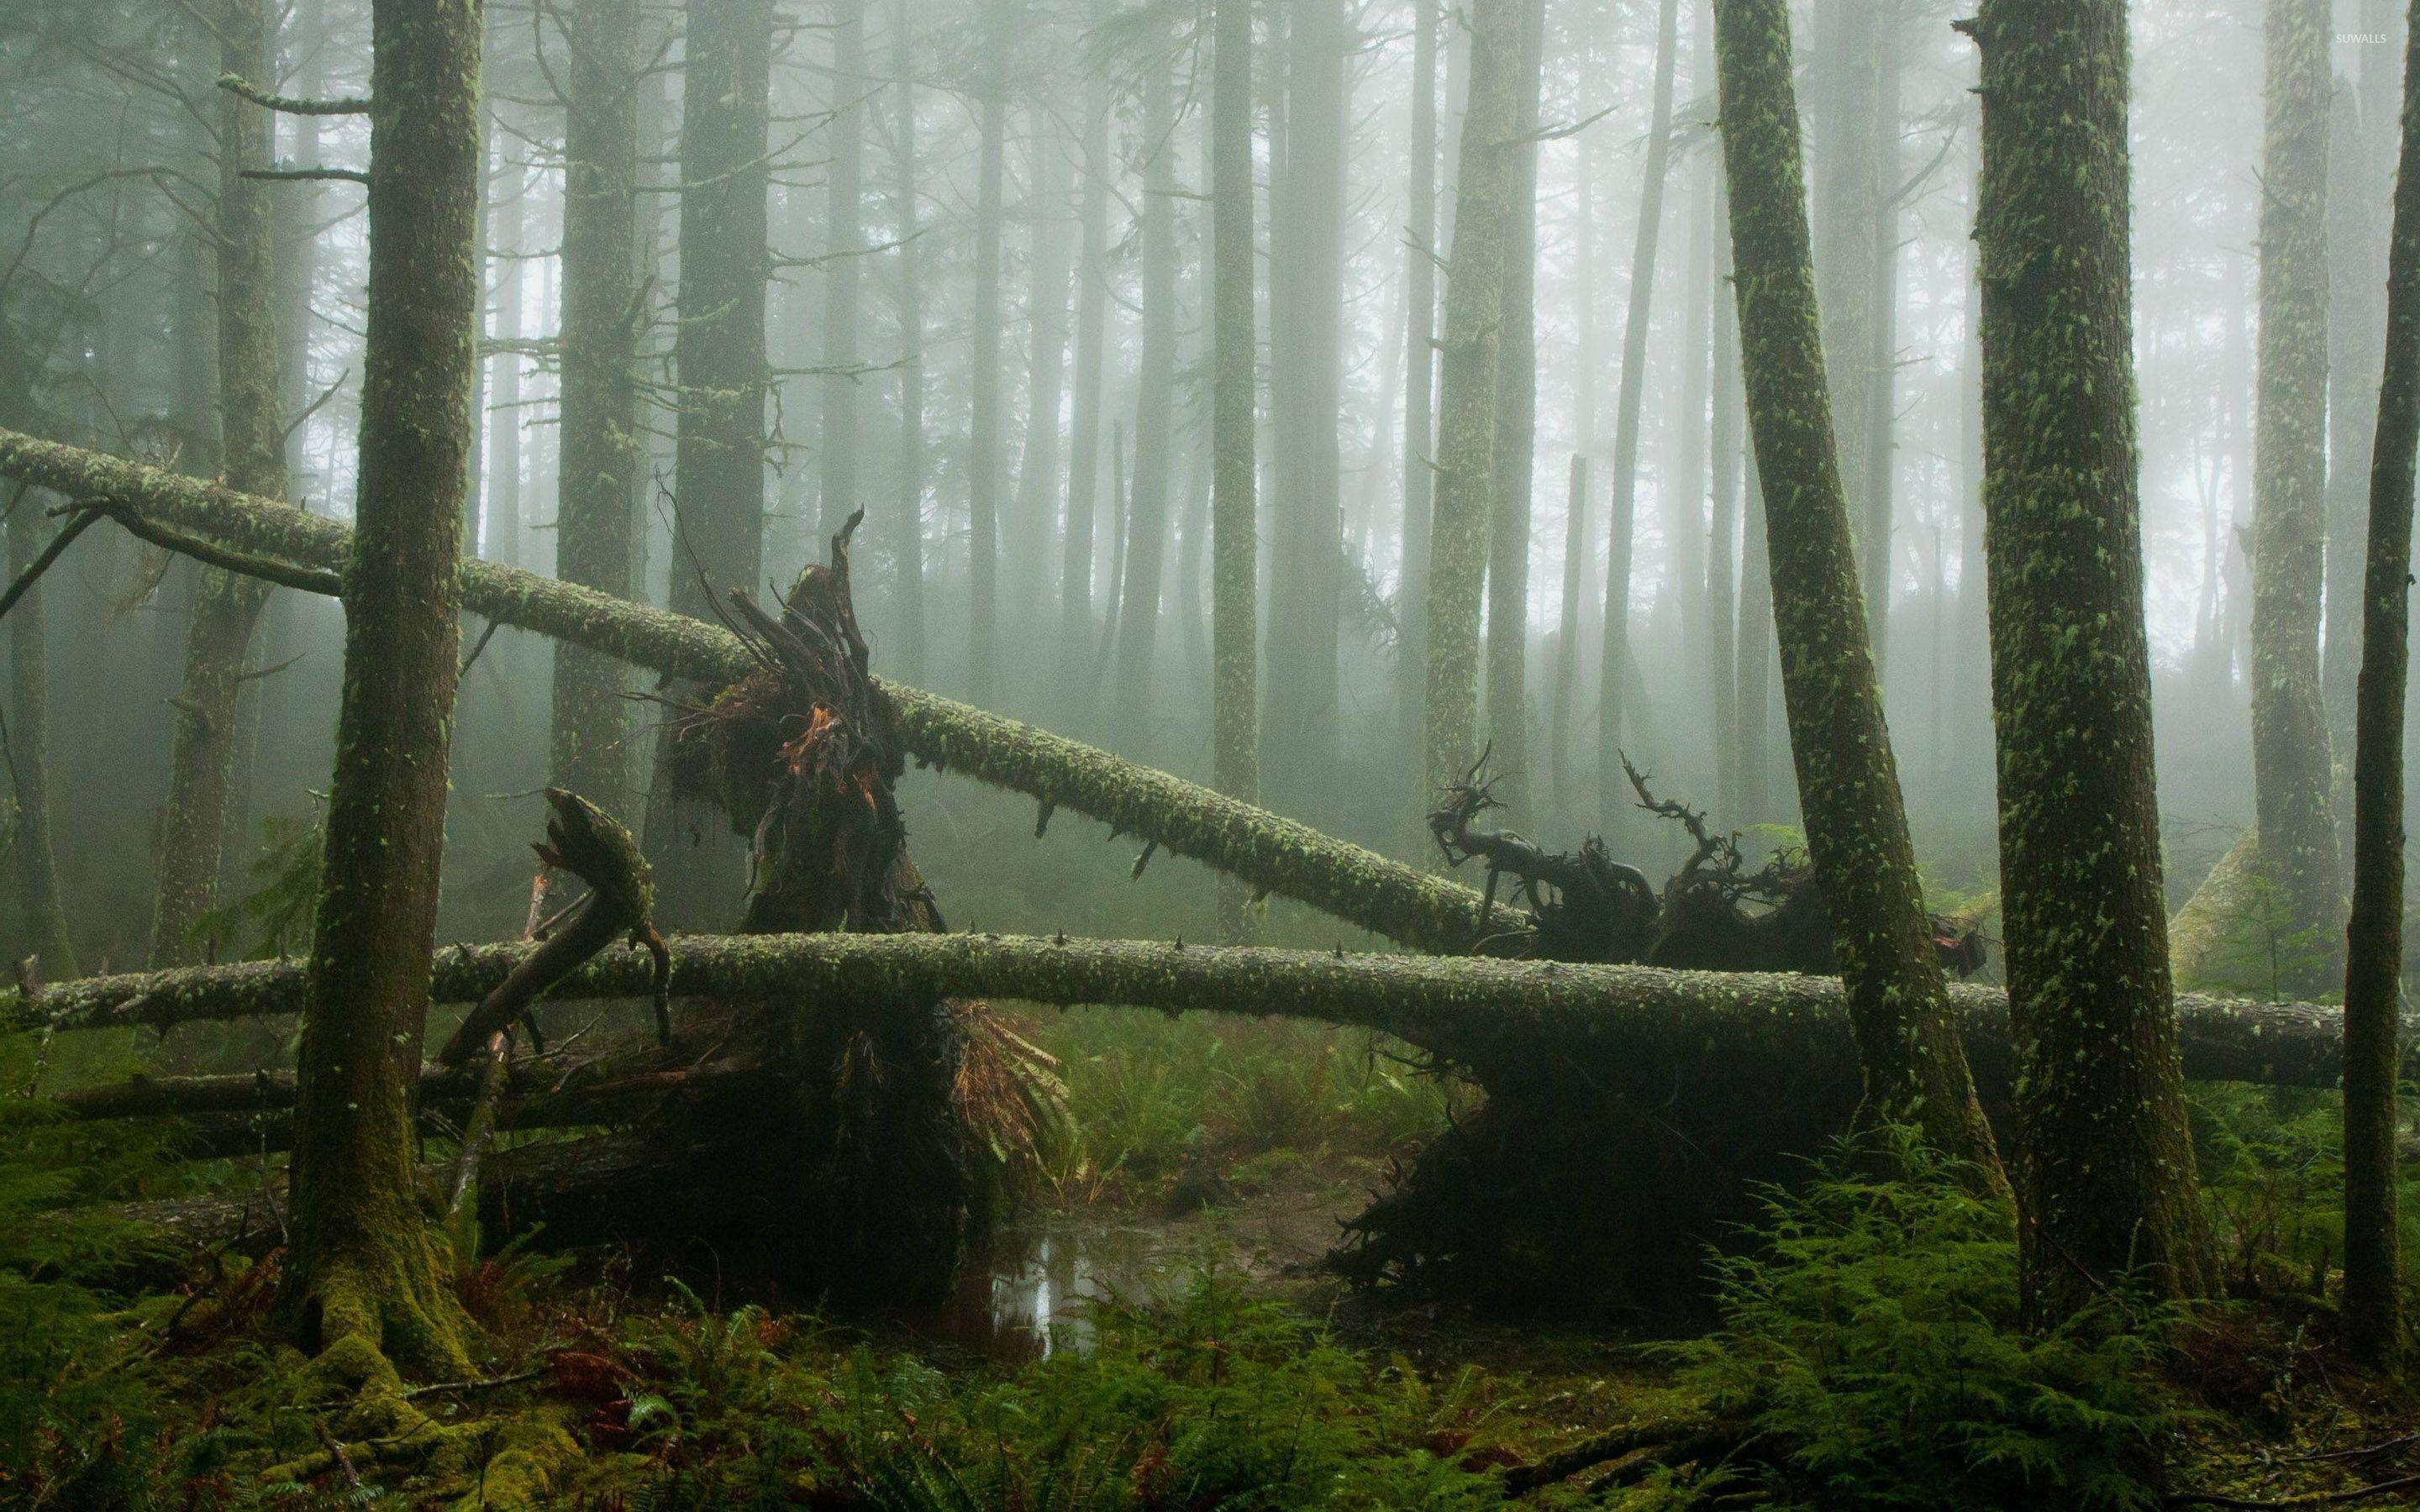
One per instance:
(284, 574)
(344, 1460)
(236, 86)
(488, 1384)
(77, 524)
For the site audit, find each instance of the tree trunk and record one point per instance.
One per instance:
(225, 608)
(1037, 474)
(1235, 678)
(1846, 79)
(1419, 378)
(1722, 602)
(1085, 417)
(1515, 461)
(1307, 290)
(1611, 794)
(843, 254)
(1848, 783)
(361, 1267)
(1881, 341)
(2360, 165)
(28, 750)
(1154, 416)
(2373, 1299)
(719, 353)
(983, 437)
(499, 399)
(2290, 734)
(1684, 493)
(2104, 1162)
(907, 527)
(602, 455)
(1756, 652)
(1474, 304)
(1567, 642)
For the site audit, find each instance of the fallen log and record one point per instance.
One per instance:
(1269, 852)
(1468, 1006)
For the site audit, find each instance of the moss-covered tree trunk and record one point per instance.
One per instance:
(2373, 1300)
(1514, 462)
(1612, 802)
(2105, 1164)
(1848, 782)
(719, 356)
(225, 608)
(1474, 304)
(2299, 854)
(363, 1268)
(907, 527)
(1234, 673)
(602, 452)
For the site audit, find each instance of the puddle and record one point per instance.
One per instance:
(1028, 1294)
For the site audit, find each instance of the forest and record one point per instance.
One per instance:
(1767, 639)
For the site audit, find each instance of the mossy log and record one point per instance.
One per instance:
(1269, 852)
(1467, 1007)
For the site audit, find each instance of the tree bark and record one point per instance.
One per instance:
(225, 608)
(1474, 304)
(1234, 653)
(1515, 459)
(718, 355)
(2373, 1300)
(603, 456)
(1848, 783)
(361, 1266)
(2289, 735)
(1468, 1006)
(1755, 652)
(1613, 804)
(2104, 1160)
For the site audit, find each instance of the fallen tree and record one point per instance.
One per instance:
(1630, 1109)
(1455, 1007)
(1269, 852)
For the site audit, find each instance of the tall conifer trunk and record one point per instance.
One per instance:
(1516, 435)
(361, 1268)
(2373, 1298)
(2104, 1169)
(907, 524)
(1474, 305)
(983, 437)
(843, 239)
(1613, 803)
(602, 455)
(719, 354)
(1234, 675)
(1146, 528)
(225, 608)
(2297, 847)
(1848, 782)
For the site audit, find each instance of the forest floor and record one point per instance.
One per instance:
(1156, 1330)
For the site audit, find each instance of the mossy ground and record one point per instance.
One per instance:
(134, 1374)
